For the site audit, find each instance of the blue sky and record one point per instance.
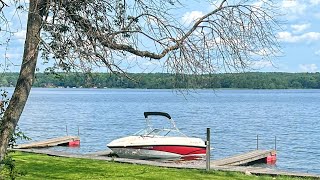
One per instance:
(299, 37)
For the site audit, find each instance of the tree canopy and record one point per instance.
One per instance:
(84, 34)
(250, 80)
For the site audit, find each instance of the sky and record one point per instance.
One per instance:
(299, 37)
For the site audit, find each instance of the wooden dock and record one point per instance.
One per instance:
(50, 142)
(245, 158)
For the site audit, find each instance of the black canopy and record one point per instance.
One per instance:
(146, 114)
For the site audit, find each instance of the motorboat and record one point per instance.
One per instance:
(158, 143)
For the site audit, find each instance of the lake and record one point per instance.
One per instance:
(235, 117)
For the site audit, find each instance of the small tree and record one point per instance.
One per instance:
(83, 34)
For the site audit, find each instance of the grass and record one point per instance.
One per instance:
(39, 166)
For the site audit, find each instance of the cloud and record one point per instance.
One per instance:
(315, 2)
(293, 8)
(285, 36)
(308, 67)
(300, 27)
(258, 4)
(189, 17)
(306, 37)
(317, 53)
(20, 34)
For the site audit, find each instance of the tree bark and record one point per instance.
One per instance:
(26, 77)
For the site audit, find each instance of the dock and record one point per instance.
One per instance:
(245, 158)
(65, 140)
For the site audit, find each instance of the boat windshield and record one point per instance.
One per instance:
(159, 132)
(159, 127)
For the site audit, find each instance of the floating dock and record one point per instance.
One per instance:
(59, 141)
(267, 156)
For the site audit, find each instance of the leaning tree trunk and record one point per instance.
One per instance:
(26, 77)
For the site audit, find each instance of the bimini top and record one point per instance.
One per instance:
(146, 114)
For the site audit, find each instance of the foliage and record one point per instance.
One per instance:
(256, 80)
(9, 169)
(7, 165)
(48, 167)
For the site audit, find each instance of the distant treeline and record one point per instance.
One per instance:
(253, 80)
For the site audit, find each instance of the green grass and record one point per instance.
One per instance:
(39, 166)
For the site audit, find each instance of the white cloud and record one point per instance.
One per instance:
(258, 4)
(20, 34)
(300, 27)
(285, 36)
(308, 67)
(189, 17)
(293, 8)
(306, 37)
(317, 53)
(314, 2)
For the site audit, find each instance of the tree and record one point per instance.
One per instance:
(84, 34)
(19, 98)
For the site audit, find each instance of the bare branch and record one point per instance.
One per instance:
(229, 37)
(3, 4)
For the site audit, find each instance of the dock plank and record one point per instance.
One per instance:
(48, 142)
(244, 158)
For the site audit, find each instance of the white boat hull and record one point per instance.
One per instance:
(158, 147)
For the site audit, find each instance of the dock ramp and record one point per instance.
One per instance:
(245, 158)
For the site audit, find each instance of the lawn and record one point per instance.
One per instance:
(39, 166)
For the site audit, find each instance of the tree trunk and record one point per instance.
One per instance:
(26, 77)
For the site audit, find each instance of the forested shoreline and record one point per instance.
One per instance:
(251, 80)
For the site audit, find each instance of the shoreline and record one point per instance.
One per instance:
(249, 170)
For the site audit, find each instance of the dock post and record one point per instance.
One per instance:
(208, 150)
(257, 141)
(78, 131)
(67, 129)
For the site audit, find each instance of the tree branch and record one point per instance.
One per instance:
(3, 4)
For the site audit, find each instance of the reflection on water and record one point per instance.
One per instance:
(235, 117)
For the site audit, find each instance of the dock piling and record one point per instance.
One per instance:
(208, 150)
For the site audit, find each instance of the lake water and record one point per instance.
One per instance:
(235, 117)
